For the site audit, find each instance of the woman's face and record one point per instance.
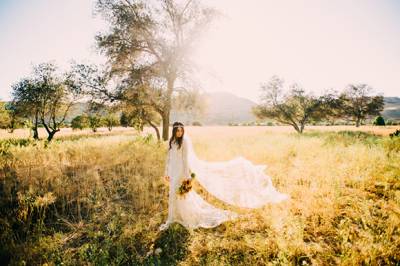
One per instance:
(179, 132)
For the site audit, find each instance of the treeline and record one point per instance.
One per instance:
(45, 98)
(295, 107)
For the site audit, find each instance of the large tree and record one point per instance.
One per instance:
(358, 103)
(149, 45)
(293, 107)
(26, 103)
(46, 98)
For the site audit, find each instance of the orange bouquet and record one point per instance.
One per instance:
(186, 185)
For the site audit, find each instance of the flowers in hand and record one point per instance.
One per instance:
(186, 185)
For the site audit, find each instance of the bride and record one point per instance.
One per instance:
(237, 182)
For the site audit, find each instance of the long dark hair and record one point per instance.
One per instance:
(173, 137)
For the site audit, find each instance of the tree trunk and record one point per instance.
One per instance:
(358, 122)
(165, 125)
(167, 107)
(35, 129)
(51, 131)
(35, 133)
(301, 128)
(11, 126)
(155, 128)
(51, 135)
(296, 127)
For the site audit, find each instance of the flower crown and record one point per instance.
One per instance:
(177, 126)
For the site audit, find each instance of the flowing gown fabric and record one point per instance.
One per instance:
(238, 182)
(191, 211)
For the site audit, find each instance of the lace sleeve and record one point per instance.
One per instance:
(167, 163)
(186, 170)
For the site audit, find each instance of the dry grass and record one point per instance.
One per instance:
(344, 207)
(64, 132)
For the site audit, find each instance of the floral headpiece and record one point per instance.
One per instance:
(178, 126)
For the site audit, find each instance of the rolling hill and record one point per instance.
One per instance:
(225, 107)
(392, 108)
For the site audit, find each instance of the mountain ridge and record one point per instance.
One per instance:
(226, 107)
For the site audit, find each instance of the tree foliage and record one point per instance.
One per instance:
(45, 98)
(5, 116)
(80, 122)
(379, 121)
(149, 46)
(357, 103)
(293, 107)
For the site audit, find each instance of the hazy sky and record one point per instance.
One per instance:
(319, 44)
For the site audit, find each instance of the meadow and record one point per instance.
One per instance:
(98, 199)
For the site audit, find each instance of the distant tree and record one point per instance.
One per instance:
(94, 122)
(95, 112)
(124, 119)
(357, 103)
(131, 95)
(5, 117)
(139, 116)
(80, 122)
(15, 120)
(110, 121)
(106, 113)
(295, 107)
(379, 121)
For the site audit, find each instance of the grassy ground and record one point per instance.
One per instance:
(99, 200)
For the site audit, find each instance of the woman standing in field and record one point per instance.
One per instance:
(237, 182)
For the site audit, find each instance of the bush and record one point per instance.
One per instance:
(124, 120)
(379, 121)
(94, 122)
(79, 122)
(110, 120)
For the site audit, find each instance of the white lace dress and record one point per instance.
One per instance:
(192, 210)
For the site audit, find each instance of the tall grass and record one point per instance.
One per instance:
(100, 201)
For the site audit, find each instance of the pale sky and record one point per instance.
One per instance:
(320, 44)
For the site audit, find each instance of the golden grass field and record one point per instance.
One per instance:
(99, 201)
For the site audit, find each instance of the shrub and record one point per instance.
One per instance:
(379, 121)
(94, 122)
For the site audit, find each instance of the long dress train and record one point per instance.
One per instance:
(192, 210)
(238, 182)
